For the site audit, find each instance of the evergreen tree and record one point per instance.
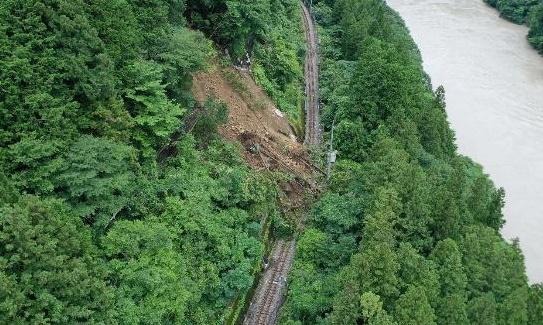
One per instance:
(372, 310)
(50, 271)
(413, 308)
(482, 310)
(535, 304)
(376, 266)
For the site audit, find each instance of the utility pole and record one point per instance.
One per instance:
(332, 154)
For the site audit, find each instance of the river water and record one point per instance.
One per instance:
(494, 91)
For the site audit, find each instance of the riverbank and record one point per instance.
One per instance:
(494, 82)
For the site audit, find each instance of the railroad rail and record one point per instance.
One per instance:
(270, 291)
(312, 107)
(269, 294)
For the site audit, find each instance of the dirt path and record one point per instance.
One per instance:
(312, 119)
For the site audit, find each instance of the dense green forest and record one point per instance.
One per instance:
(97, 227)
(93, 227)
(408, 231)
(528, 12)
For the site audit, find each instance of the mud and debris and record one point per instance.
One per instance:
(269, 141)
(269, 144)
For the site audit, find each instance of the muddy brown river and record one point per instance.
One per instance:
(494, 91)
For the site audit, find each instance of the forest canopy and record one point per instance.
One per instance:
(100, 224)
(408, 231)
(93, 227)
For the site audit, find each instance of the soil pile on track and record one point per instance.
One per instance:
(269, 145)
(262, 130)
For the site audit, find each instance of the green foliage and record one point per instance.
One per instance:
(535, 21)
(186, 52)
(8, 194)
(412, 308)
(72, 68)
(231, 23)
(214, 113)
(376, 268)
(529, 12)
(372, 310)
(282, 228)
(408, 231)
(95, 178)
(92, 228)
(277, 65)
(270, 32)
(535, 304)
(149, 275)
(155, 115)
(514, 10)
(49, 268)
(451, 306)
(482, 309)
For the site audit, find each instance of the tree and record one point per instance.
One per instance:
(485, 202)
(482, 309)
(535, 35)
(49, 268)
(346, 308)
(491, 264)
(451, 306)
(376, 266)
(155, 116)
(448, 259)
(390, 164)
(513, 309)
(8, 193)
(436, 134)
(448, 213)
(312, 245)
(429, 246)
(535, 304)
(372, 310)
(215, 113)
(452, 310)
(232, 24)
(416, 270)
(95, 178)
(186, 52)
(151, 279)
(412, 308)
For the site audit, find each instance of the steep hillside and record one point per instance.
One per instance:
(408, 231)
(268, 145)
(254, 121)
(121, 202)
(142, 182)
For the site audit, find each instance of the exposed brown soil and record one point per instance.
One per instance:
(269, 144)
(255, 122)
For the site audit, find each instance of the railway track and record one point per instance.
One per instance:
(268, 297)
(272, 288)
(269, 294)
(312, 109)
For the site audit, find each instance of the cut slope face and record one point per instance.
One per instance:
(254, 121)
